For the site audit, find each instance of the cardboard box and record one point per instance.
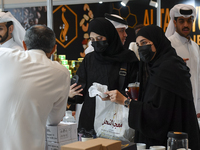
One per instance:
(128, 146)
(61, 132)
(94, 144)
(107, 144)
(82, 146)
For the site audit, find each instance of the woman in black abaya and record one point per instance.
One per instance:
(166, 103)
(103, 66)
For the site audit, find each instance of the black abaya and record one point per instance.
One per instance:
(166, 103)
(91, 70)
(103, 67)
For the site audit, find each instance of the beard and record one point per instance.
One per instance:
(181, 32)
(4, 37)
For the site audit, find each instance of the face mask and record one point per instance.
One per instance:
(146, 53)
(100, 46)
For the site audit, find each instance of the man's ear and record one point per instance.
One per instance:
(10, 29)
(24, 45)
(54, 49)
(174, 23)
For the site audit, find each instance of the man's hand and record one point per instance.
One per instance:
(75, 90)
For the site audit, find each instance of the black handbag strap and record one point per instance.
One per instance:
(122, 75)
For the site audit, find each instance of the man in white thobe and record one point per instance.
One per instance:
(34, 91)
(182, 17)
(11, 31)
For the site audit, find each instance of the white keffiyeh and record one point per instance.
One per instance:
(117, 24)
(18, 31)
(175, 12)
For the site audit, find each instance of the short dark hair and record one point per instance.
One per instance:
(175, 18)
(40, 37)
(139, 26)
(8, 24)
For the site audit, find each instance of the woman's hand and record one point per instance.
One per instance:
(115, 96)
(75, 90)
(198, 115)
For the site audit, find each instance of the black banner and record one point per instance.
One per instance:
(71, 21)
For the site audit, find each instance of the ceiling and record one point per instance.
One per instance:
(31, 3)
(140, 1)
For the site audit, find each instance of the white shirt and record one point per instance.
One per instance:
(34, 90)
(189, 49)
(89, 49)
(133, 46)
(11, 44)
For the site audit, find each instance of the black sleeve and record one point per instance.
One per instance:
(162, 111)
(152, 116)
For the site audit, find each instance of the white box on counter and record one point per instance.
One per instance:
(74, 134)
(56, 146)
(74, 140)
(73, 129)
(62, 132)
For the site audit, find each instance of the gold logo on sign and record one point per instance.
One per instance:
(66, 26)
(63, 39)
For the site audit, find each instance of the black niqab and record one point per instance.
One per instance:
(115, 52)
(172, 78)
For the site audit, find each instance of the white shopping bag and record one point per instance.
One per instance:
(111, 121)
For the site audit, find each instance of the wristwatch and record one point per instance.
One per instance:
(127, 102)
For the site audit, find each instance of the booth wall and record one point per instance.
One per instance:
(71, 21)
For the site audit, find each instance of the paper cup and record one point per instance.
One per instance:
(141, 146)
(83, 139)
(157, 147)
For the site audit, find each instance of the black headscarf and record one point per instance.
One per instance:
(167, 70)
(115, 51)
